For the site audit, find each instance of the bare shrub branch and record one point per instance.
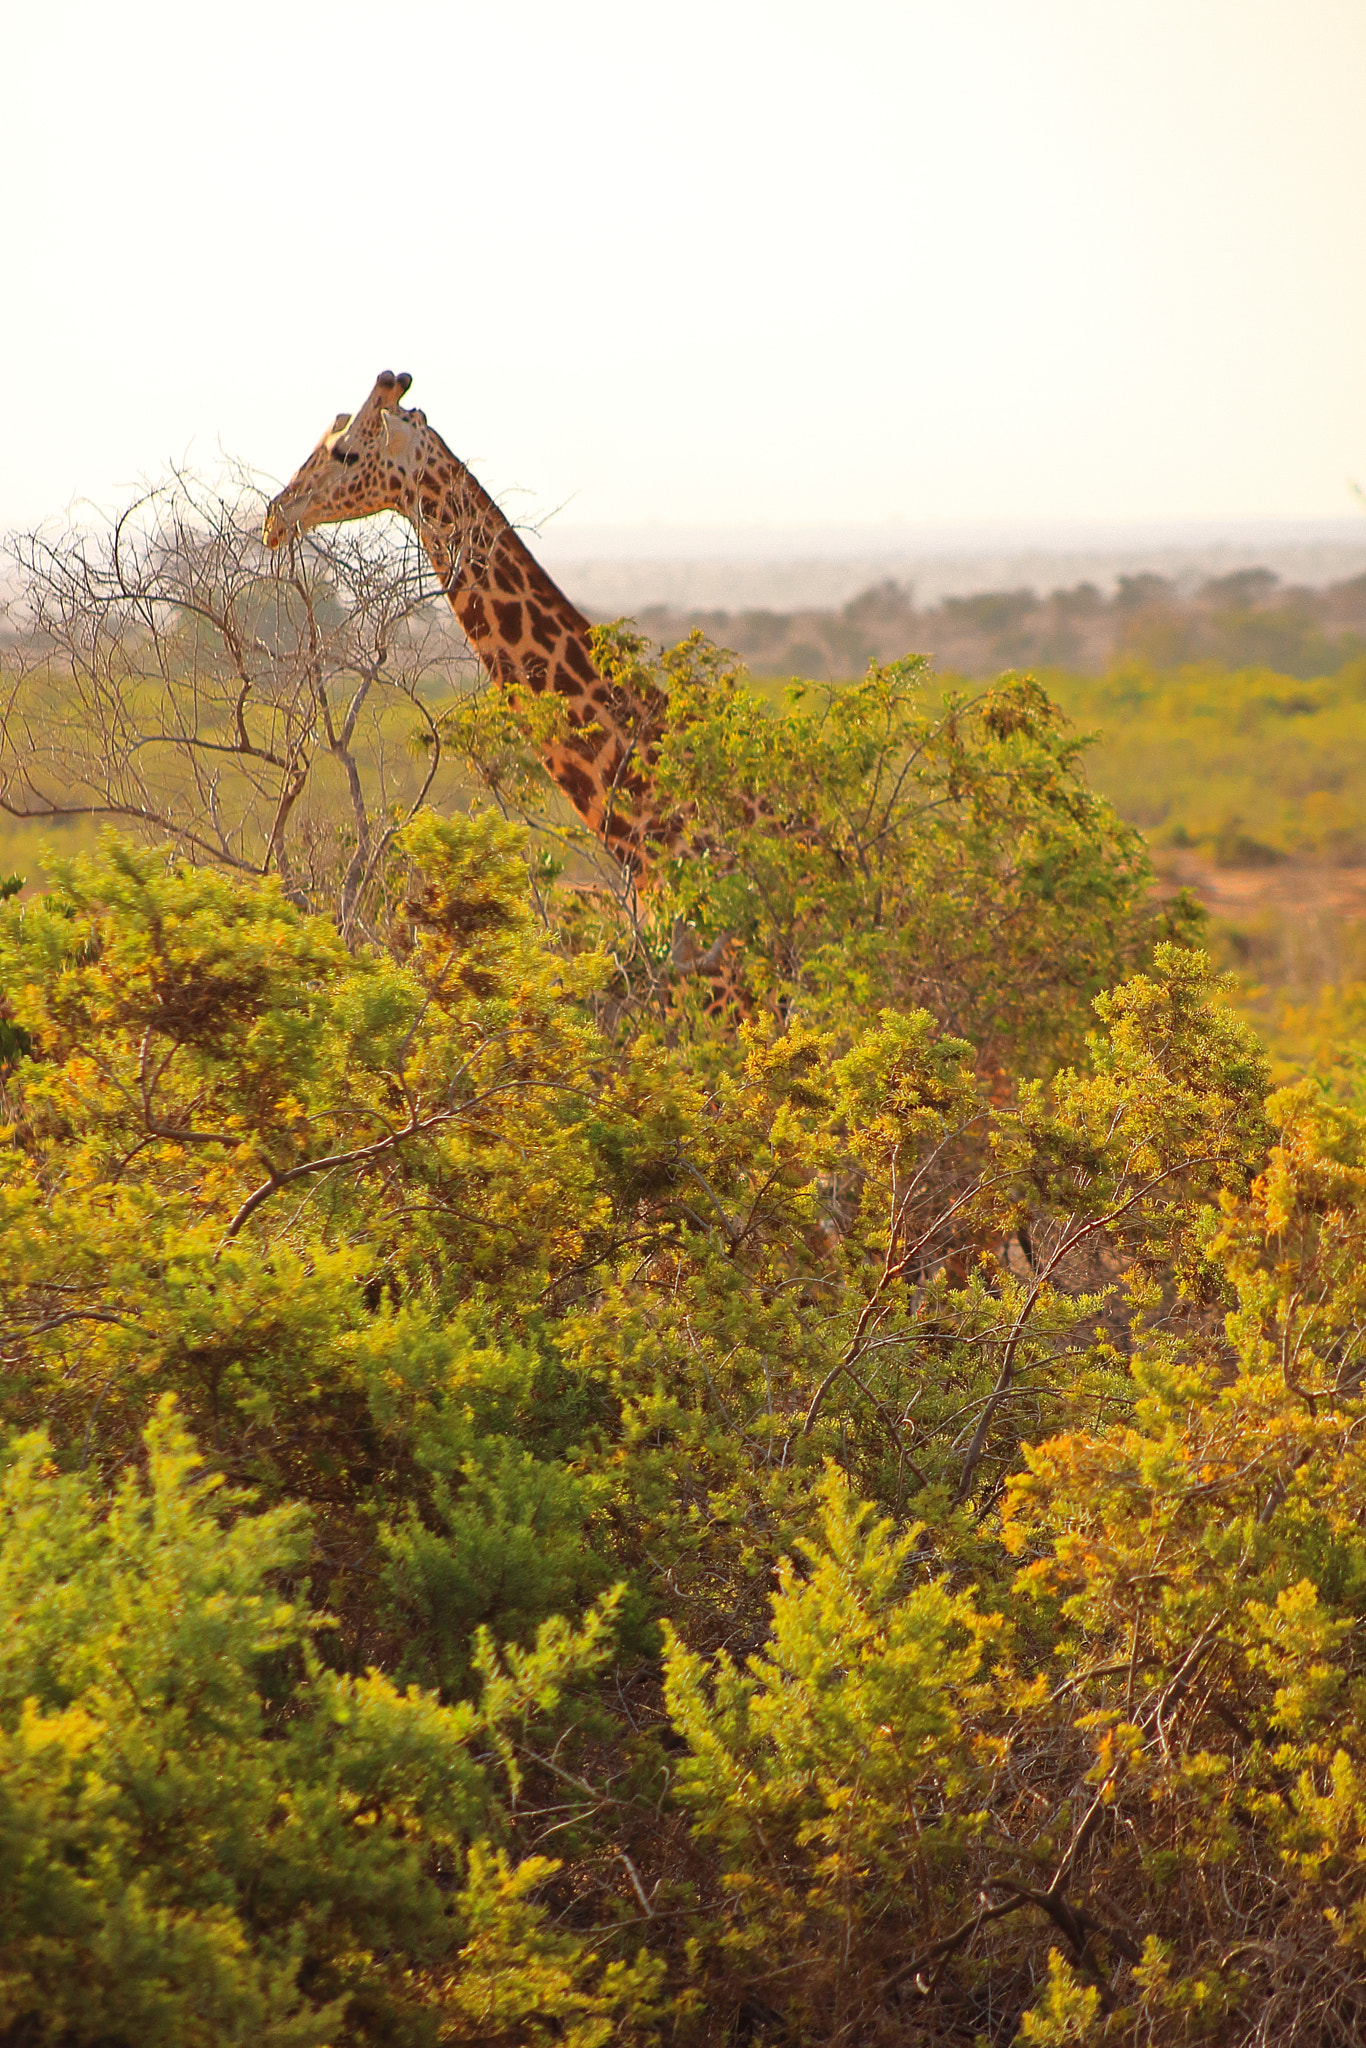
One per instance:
(267, 714)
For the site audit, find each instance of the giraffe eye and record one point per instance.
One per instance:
(352, 459)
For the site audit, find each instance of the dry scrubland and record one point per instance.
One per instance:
(1229, 725)
(533, 1516)
(1244, 620)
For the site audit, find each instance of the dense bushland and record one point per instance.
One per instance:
(532, 1515)
(1228, 729)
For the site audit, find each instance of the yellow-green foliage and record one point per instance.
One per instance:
(1251, 785)
(946, 854)
(532, 1516)
(209, 1836)
(835, 1772)
(1244, 764)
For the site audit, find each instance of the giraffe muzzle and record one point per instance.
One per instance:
(277, 525)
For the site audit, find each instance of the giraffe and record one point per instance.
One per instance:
(522, 627)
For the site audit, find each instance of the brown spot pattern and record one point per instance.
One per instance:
(577, 786)
(473, 617)
(542, 628)
(578, 661)
(507, 575)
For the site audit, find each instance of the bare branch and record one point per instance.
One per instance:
(172, 676)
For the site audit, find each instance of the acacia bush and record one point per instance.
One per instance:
(911, 849)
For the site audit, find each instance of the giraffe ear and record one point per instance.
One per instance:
(335, 431)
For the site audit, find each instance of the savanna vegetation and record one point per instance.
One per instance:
(1228, 727)
(1248, 619)
(531, 1514)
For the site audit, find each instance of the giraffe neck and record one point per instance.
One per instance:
(531, 640)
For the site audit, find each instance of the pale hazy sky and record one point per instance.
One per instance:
(729, 261)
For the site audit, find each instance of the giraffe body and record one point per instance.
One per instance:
(524, 630)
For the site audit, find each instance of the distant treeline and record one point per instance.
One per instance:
(1248, 619)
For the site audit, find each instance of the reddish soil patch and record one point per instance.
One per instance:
(1287, 888)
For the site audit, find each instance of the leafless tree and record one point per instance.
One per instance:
(267, 714)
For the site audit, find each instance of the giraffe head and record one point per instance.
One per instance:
(363, 464)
